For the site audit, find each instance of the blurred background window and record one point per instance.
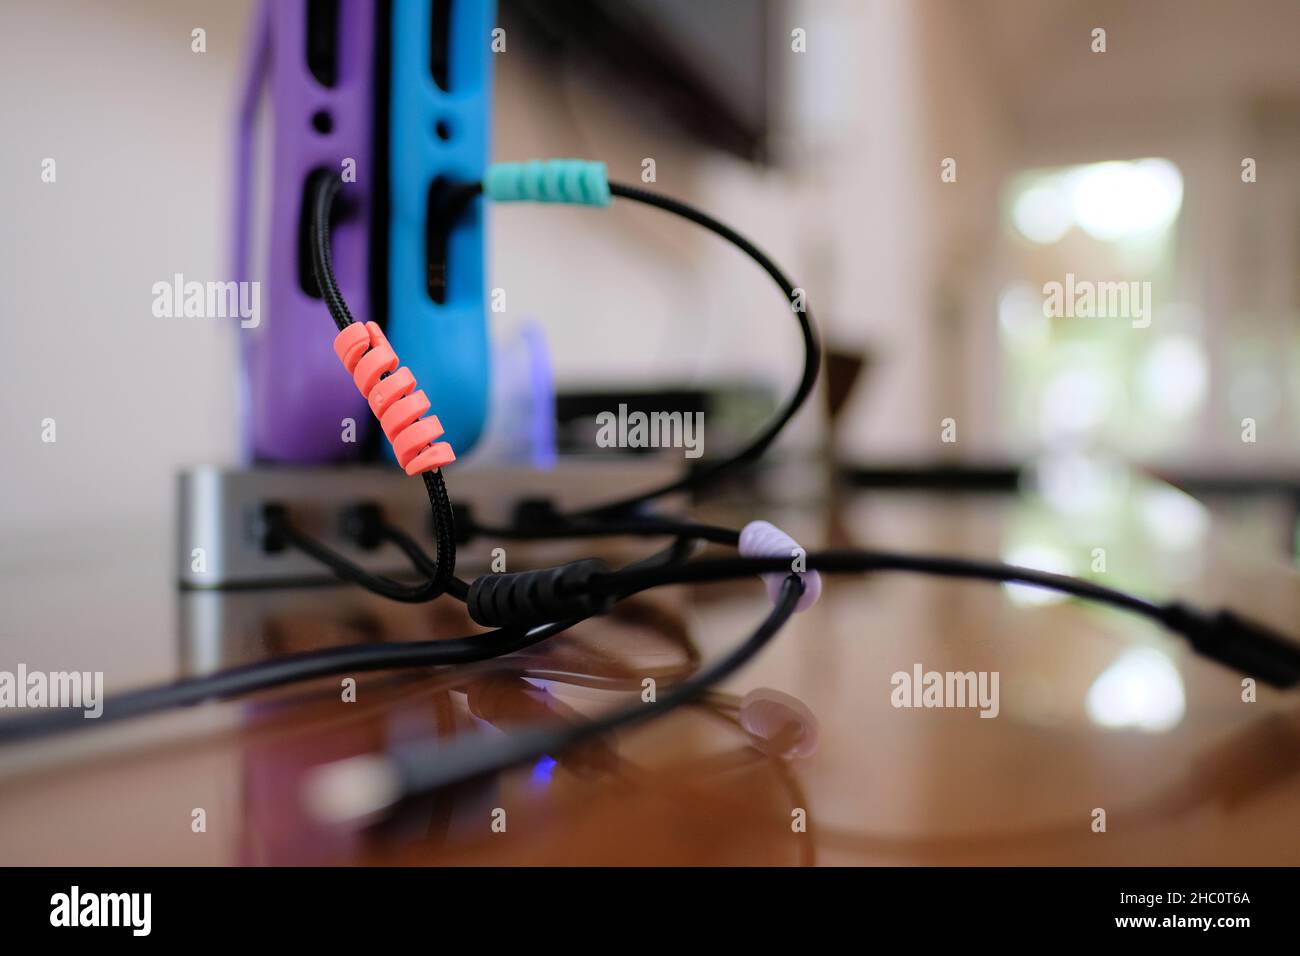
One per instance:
(1092, 243)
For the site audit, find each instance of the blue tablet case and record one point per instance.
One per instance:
(441, 99)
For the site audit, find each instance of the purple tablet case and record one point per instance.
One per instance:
(318, 58)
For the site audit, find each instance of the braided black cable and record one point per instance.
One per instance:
(442, 579)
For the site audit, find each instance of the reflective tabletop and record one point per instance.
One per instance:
(1108, 741)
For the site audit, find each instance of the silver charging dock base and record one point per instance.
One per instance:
(219, 540)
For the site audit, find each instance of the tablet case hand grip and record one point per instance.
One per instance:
(441, 96)
(295, 401)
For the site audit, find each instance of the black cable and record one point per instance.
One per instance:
(326, 187)
(633, 580)
(263, 675)
(424, 767)
(285, 670)
(523, 597)
(649, 526)
(444, 530)
(1225, 636)
(457, 588)
(278, 527)
(442, 576)
(696, 478)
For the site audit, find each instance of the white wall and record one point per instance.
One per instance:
(138, 127)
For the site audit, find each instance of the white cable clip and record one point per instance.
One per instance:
(762, 539)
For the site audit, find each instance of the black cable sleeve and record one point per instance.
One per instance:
(523, 598)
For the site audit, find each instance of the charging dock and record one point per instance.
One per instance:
(221, 540)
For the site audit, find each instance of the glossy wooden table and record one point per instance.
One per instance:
(1206, 779)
